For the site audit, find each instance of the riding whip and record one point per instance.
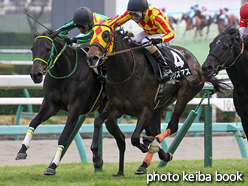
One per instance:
(36, 20)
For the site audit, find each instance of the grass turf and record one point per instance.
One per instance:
(83, 173)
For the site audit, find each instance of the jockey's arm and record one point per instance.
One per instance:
(242, 28)
(123, 19)
(66, 28)
(165, 28)
(82, 38)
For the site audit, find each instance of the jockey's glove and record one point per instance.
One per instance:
(69, 41)
(156, 40)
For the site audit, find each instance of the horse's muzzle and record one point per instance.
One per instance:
(208, 70)
(93, 61)
(37, 77)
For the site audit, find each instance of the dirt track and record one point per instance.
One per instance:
(42, 151)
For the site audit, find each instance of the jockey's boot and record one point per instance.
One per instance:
(165, 69)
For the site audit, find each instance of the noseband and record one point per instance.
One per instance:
(50, 62)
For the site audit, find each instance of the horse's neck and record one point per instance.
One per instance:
(65, 62)
(238, 73)
(121, 66)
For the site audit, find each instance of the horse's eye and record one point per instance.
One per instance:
(105, 36)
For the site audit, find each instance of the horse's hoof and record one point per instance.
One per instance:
(170, 156)
(21, 156)
(118, 175)
(148, 139)
(143, 148)
(140, 170)
(98, 164)
(49, 171)
(165, 156)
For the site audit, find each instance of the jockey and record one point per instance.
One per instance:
(83, 20)
(197, 10)
(191, 14)
(205, 14)
(223, 15)
(155, 29)
(243, 20)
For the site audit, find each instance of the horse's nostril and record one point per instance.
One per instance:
(95, 58)
(209, 68)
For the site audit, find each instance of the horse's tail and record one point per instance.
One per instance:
(220, 85)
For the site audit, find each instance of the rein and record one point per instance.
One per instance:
(50, 63)
(127, 50)
(134, 65)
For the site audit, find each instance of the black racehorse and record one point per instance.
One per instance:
(227, 52)
(131, 87)
(69, 85)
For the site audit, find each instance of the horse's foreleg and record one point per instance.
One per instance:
(63, 141)
(97, 159)
(44, 113)
(143, 121)
(153, 129)
(115, 131)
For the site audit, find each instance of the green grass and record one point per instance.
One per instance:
(83, 173)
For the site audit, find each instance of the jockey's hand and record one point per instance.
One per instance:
(69, 41)
(130, 34)
(156, 41)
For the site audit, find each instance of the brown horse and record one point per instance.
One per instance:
(232, 20)
(200, 24)
(131, 87)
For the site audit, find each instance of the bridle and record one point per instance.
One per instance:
(54, 55)
(105, 50)
(226, 56)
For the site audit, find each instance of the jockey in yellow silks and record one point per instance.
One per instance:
(155, 27)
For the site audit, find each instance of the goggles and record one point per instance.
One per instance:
(135, 14)
(82, 26)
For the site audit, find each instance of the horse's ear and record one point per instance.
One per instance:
(54, 34)
(35, 33)
(96, 21)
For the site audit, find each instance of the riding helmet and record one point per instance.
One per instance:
(137, 5)
(82, 16)
(244, 12)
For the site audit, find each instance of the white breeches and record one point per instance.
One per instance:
(141, 38)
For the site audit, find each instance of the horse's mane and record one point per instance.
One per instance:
(124, 37)
(229, 30)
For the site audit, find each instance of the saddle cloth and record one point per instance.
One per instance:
(175, 61)
(177, 64)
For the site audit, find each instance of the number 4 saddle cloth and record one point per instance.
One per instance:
(175, 61)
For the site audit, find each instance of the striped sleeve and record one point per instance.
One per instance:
(123, 19)
(165, 27)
